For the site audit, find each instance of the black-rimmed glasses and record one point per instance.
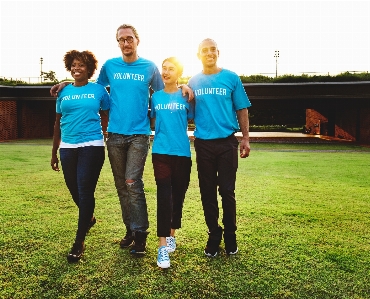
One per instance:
(128, 39)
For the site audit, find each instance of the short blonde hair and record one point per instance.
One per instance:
(124, 26)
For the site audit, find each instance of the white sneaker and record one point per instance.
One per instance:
(171, 244)
(163, 259)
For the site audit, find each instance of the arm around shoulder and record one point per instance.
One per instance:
(186, 90)
(54, 90)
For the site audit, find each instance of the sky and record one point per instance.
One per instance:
(312, 37)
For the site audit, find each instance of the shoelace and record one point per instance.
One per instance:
(170, 242)
(163, 255)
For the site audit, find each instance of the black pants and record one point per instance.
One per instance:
(217, 163)
(172, 176)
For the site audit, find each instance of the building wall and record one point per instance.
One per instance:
(316, 122)
(349, 123)
(335, 109)
(8, 120)
(36, 119)
(364, 127)
(345, 126)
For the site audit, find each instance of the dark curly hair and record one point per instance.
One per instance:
(86, 57)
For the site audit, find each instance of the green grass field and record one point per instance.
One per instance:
(303, 230)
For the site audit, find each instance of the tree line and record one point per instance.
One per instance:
(49, 78)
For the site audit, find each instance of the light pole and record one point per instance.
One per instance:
(41, 60)
(276, 57)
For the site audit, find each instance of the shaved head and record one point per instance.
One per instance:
(206, 40)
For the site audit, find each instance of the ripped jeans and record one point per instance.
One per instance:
(127, 155)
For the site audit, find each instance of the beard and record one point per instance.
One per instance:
(128, 52)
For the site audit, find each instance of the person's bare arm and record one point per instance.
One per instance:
(152, 123)
(54, 162)
(106, 112)
(186, 90)
(58, 87)
(243, 120)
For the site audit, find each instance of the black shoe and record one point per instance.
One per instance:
(127, 240)
(213, 243)
(139, 243)
(76, 252)
(212, 248)
(91, 224)
(231, 247)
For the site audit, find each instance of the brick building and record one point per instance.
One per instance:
(339, 109)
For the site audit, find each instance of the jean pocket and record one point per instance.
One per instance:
(142, 138)
(110, 138)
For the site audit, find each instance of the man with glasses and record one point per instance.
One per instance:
(130, 78)
(220, 110)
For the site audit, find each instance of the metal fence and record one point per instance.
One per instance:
(29, 80)
(34, 80)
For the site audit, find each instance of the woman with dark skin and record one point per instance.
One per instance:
(78, 136)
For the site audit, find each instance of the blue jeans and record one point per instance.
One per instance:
(81, 169)
(127, 155)
(217, 163)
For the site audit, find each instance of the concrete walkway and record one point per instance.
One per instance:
(266, 134)
(282, 137)
(277, 134)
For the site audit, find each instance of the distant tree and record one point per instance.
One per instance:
(256, 79)
(184, 80)
(342, 77)
(11, 82)
(49, 76)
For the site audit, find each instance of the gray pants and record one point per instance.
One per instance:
(127, 155)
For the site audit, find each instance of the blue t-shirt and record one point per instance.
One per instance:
(79, 106)
(129, 93)
(217, 98)
(172, 112)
